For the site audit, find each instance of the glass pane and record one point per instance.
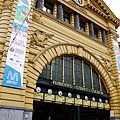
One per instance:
(96, 33)
(78, 71)
(46, 72)
(66, 17)
(95, 80)
(57, 69)
(48, 7)
(103, 87)
(87, 77)
(82, 26)
(68, 69)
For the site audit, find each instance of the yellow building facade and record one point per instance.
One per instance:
(71, 62)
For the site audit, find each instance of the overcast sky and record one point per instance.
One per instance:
(114, 5)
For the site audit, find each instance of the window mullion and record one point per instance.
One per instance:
(83, 74)
(100, 84)
(92, 77)
(63, 79)
(50, 70)
(73, 71)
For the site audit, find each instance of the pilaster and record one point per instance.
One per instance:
(114, 100)
(72, 20)
(55, 10)
(87, 28)
(99, 35)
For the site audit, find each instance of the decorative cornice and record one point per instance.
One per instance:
(8, 5)
(106, 16)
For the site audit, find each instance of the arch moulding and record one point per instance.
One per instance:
(46, 55)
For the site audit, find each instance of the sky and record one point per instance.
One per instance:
(114, 5)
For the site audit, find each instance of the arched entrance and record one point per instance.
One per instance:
(48, 54)
(70, 88)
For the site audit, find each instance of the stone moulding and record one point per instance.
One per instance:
(40, 38)
(37, 18)
(8, 5)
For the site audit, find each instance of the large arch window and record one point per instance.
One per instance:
(75, 71)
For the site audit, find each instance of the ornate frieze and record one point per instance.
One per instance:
(40, 38)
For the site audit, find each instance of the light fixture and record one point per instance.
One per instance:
(60, 93)
(38, 89)
(100, 100)
(93, 99)
(86, 97)
(78, 96)
(49, 91)
(106, 101)
(69, 95)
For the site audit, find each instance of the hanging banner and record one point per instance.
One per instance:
(117, 54)
(14, 68)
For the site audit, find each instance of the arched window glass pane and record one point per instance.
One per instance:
(68, 69)
(78, 71)
(103, 87)
(87, 77)
(95, 80)
(57, 69)
(46, 72)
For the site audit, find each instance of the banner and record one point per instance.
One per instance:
(14, 68)
(117, 54)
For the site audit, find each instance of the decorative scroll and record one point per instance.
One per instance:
(40, 38)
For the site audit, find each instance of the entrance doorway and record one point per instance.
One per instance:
(43, 110)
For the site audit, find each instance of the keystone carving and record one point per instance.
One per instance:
(107, 64)
(40, 38)
(8, 5)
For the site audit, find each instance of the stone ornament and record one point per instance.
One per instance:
(40, 38)
(107, 64)
(8, 5)
(37, 18)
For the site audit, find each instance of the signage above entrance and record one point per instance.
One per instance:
(70, 101)
(77, 87)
